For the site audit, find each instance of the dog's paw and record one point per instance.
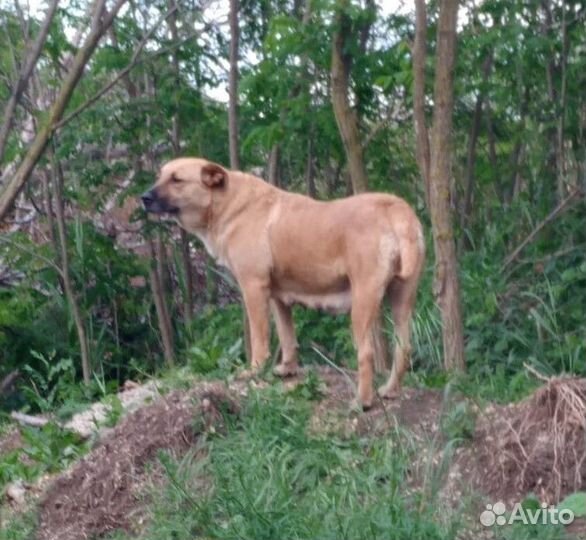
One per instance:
(357, 406)
(389, 392)
(286, 370)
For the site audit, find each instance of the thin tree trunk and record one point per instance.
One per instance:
(446, 284)
(233, 86)
(24, 76)
(472, 143)
(492, 155)
(67, 282)
(48, 203)
(233, 130)
(274, 164)
(562, 172)
(346, 118)
(310, 169)
(155, 279)
(347, 122)
(176, 143)
(186, 258)
(552, 74)
(273, 173)
(422, 151)
(99, 27)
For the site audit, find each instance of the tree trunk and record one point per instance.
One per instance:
(165, 327)
(233, 86)
(422, 151)
(67, 282)
(492, 155)
(48, 203)
(186, 259)
(561, 166)
(347, 121)
(515, 156)
(273, 172)
(446, 284)
(99, 26)
(233, 131)
(472, 142)
(176, 143)
(345, 116)
(310, 169)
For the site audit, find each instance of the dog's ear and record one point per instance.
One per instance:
(213, 175)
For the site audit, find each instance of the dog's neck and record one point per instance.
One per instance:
(226, 205)
(235, 199)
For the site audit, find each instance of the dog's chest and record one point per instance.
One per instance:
(212, 248)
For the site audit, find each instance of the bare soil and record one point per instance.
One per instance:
(104, 491)
(416, 409)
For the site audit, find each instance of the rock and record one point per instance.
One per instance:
(15, 492)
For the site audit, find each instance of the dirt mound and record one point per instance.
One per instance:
(101, 492)
(536, 446)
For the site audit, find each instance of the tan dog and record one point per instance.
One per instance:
(343, 255)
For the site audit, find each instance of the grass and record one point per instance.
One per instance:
(17, 527)
(268, 477)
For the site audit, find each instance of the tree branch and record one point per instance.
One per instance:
(133, 62)
(559, 209)
(15, 184)
(24, 76)
(32, 253)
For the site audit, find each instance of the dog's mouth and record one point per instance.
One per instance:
(157, 205)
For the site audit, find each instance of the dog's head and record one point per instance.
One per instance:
(184, 189)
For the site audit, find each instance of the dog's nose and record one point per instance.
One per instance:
(148, 198)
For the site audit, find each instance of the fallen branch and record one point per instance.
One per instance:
(536, 373)
(29, 420)
(559, 209)
(322, 353)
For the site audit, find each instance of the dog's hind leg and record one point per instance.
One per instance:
(286, 332)
(365, 306)
(401, 294)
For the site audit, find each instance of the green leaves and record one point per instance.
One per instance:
(47, 450)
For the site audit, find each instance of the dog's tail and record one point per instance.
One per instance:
(412, 252)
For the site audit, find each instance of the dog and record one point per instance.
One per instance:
(285, 248)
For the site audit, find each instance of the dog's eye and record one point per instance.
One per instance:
(175, 179)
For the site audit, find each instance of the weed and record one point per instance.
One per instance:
(310, 388)
(19, 526)
(114, 409)
(47, 449)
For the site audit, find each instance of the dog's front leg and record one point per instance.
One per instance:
(286, 331)
(256, 300)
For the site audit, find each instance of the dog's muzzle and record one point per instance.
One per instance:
(155, 204)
